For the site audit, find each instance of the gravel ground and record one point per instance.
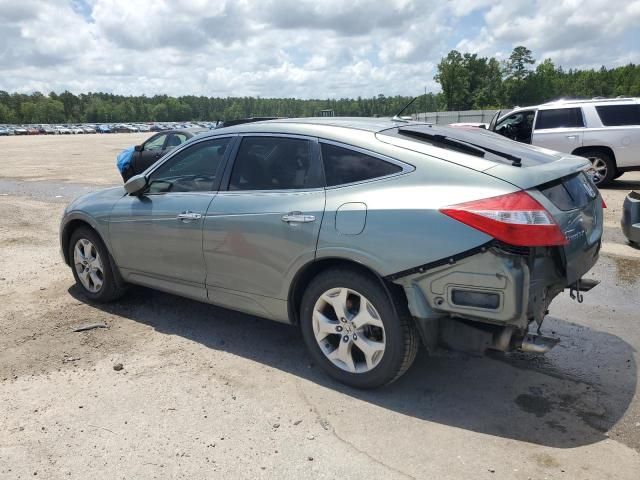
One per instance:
(204, 390)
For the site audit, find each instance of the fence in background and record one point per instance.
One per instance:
(444, 118)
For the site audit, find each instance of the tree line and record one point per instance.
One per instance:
(108, 108)
(471, 82)
(467, 80)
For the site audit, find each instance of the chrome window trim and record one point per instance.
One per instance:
(224, 189)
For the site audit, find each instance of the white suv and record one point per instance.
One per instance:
(607, 131)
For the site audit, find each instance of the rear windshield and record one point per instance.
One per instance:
(619, 115)
(568, 193)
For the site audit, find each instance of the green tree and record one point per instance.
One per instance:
(453, 78)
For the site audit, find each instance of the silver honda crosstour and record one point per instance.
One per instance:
(373, 236)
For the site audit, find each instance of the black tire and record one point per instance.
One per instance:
(112, 285)
(618, 174)
(401, 336)
(603, 158)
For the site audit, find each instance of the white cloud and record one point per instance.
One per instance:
(301, 48)
(574, 33)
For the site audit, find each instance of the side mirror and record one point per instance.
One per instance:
(138, 148)
(136, 184)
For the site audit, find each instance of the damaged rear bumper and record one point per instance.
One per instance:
(488, 297)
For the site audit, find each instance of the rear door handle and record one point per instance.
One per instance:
(298, 217)
(188, 216)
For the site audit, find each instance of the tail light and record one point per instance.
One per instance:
(604, 205)
(515, 218)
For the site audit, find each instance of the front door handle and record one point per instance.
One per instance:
(188, 216)
(298, 217)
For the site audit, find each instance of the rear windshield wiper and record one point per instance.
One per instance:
(461, 145)
(444, 140)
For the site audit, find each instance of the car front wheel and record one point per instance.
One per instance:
(92, 267)
(356, 330)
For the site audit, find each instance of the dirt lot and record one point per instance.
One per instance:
(206, 391)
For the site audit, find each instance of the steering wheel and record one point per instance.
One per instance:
(510, 131)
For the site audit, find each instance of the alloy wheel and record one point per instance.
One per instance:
(600, 169)
(88, 265)
(349, 330)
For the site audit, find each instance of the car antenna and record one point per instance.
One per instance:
(397, 117)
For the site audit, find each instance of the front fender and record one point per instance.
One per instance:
(74, 219)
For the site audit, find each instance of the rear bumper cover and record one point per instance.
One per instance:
(497, 285)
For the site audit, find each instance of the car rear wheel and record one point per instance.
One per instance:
(93, 267)
(603, 165)
(355, 331)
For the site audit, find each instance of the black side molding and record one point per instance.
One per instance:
(445, 261)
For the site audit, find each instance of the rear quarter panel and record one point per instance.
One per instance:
(403, 226)
(624, 141)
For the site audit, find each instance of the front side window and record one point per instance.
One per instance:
(559, 118)
(155, 143)
(342, 166)
(194, 169)
(618, 115)
(275, 163)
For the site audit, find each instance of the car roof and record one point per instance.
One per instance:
(305, 125)
(572, 102)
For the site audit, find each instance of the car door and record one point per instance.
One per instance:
(559, 129)
(265, 225)
(152, 151)
(156, 237)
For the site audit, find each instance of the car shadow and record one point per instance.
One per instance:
(568, 398)
(622, 184)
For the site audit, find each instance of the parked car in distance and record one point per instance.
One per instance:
(20, 131)
(47, 130)
(88, 129)
(606, 131)
(4, 131)
(631, 218)
(103, 129)
(61, 130)
(372, 235)
(156, 147)
(123, 128)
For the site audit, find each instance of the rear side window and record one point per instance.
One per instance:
(342, 166)
(617, 115)
(559, 118)
(275, 163)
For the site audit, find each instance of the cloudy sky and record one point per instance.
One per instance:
(292, 48)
